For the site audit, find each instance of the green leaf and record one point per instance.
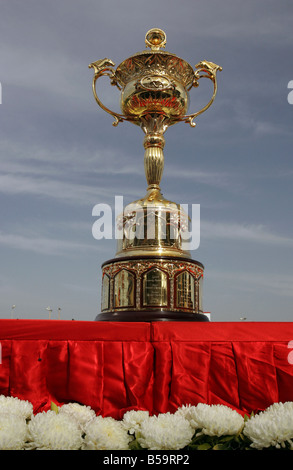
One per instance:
(227, 438)
(205, 446)
(191, 447)
(221, 447)
(54, 407)
(135, 445)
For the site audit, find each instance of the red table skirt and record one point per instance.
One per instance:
(115, 367)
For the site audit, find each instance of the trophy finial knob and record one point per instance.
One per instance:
(155, 38)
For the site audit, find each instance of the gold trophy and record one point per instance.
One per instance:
(152, 277)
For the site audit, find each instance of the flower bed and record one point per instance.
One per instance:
(201, 427)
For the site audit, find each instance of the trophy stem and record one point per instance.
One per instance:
(154, 159)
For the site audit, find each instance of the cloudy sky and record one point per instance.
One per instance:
(60, 154)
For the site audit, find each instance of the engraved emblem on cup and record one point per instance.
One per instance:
(156, 83)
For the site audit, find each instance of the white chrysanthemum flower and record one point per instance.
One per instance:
(132, 420)
(286, 407)
(16, 406)
(272, 427)
(215, 420)
(165, 432)
(13, 431)
(106, 434)
(188, 412)
(54, 431)
(83, 414)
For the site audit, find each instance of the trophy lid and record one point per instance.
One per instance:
(155, 62)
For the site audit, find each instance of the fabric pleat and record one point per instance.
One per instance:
(156, 367)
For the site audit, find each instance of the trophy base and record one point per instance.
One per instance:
(151, 316)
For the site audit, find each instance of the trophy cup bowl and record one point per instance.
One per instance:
(154, 82)
(153, 277)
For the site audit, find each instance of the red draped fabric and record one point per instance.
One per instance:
(159, 366)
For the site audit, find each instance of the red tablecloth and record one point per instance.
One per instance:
(115, 367)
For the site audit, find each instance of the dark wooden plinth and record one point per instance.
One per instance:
(149, 316)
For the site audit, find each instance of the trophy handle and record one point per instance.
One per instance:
(204, 69)
(104, 67)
